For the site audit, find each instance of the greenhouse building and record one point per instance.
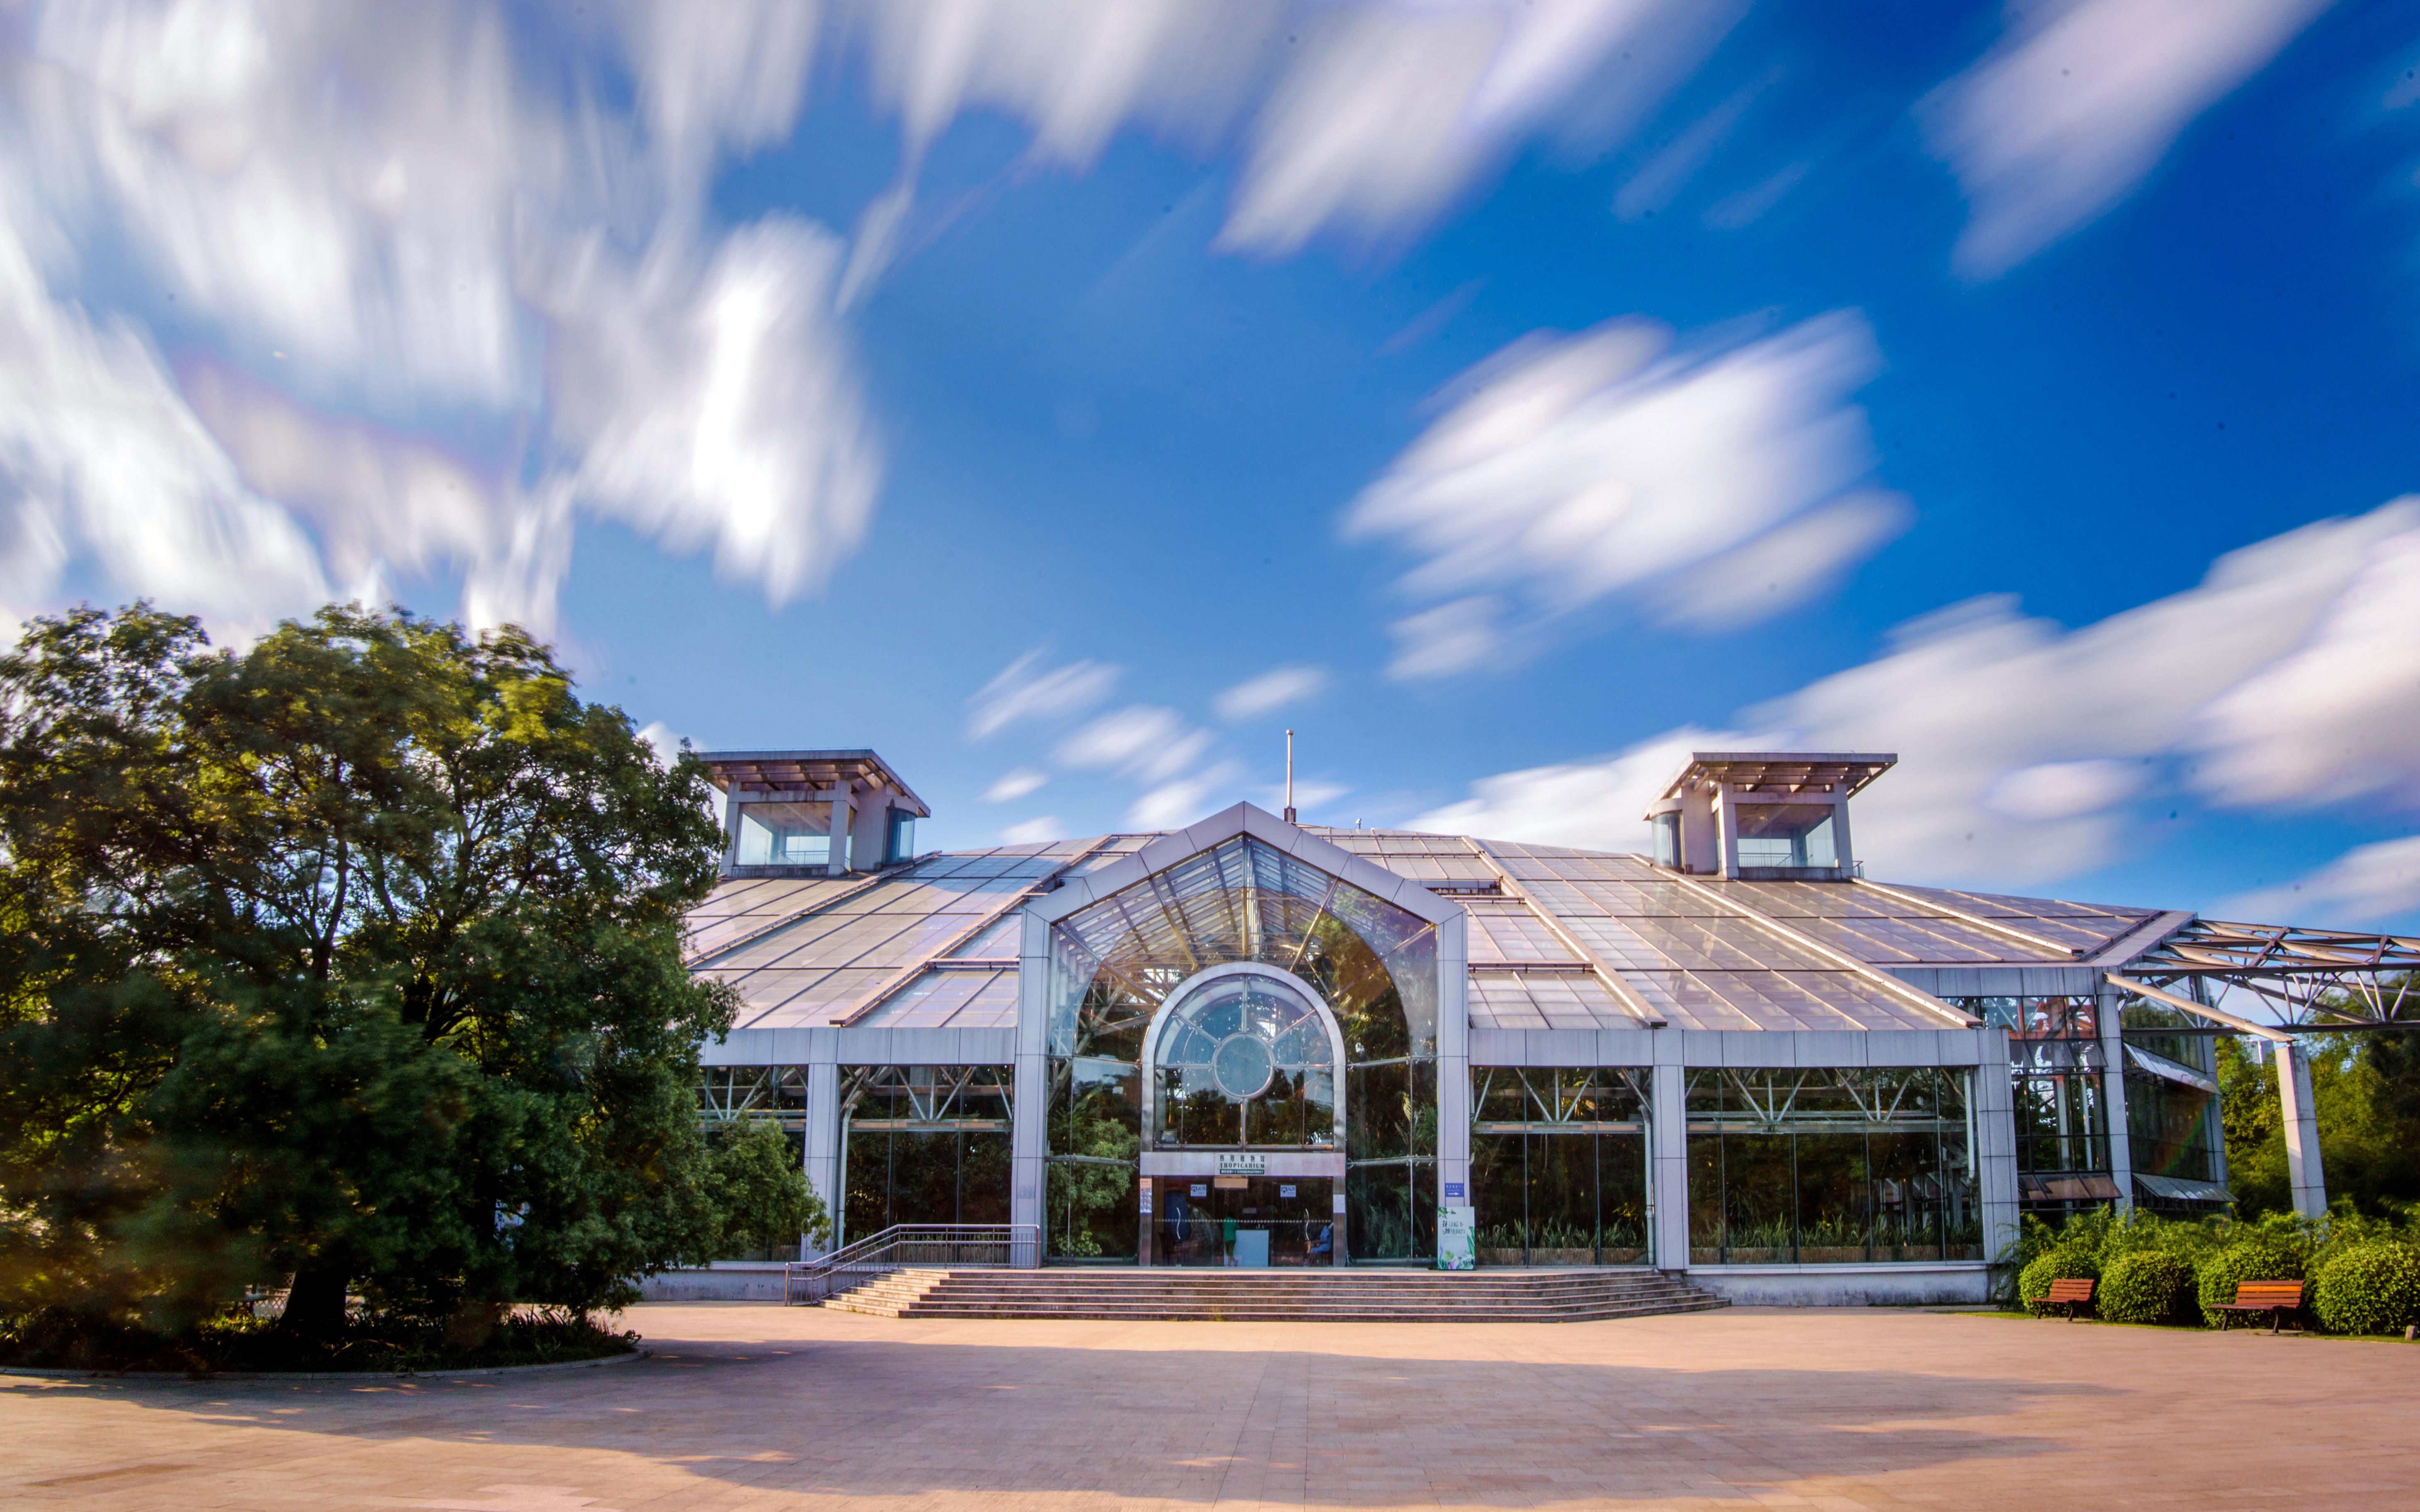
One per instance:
(1254, 1043)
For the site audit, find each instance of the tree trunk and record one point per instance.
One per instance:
(315, 1309)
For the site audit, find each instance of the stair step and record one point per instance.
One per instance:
(1260, 1296)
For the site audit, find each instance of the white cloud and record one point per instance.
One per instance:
(1034, 831)
(2020, 742)
(1024, 690)
(1796, 560)
(1390, 111)
(1452, 637)
(1149, 743)
(2080, 100)
(1010, 786)
(1183, 801)
(1365, 118)
(662, 741)
(2365, 884)
(1593, 805)
(1569, 468)
(718, 404)
(1273, 690)
(1308, 797)
(413, 222)
(100, 456)
(2339, 719)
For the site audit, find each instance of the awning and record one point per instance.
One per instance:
(2179, 1189)
(2161, 1066)
(2092, 1187)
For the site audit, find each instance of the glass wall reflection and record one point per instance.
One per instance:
(923, 1145)
(1558, 1165)
(1832, 1166)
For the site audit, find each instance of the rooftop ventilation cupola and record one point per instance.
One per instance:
(812, 813)
(1763, 816)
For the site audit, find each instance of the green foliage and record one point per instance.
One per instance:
(2257, 1256)
(54, 1338)
(757, 1192)
(2366, 1090)
(2369, 1287)
(2147, 1285)
(354, 956)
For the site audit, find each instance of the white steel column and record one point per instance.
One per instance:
(2302, 1121)
(823, 1126)
(1453, 1058)
(1668, 1146)
(2106, 1007)
(1029, 1114)
(1994, 1135)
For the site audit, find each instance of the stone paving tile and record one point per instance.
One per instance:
(759, 1409)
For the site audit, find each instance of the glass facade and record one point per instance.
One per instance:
(923, 1145)
(1784, 834)
(785, 834)
(1833, 1166)
(2173, 1133)
(1558, 1165)
(900, 844)
(1113, 965)
(2056, 1061)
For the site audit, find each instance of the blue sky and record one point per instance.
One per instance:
(1065, 398)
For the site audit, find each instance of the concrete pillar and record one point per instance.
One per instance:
(2301, 1120)
(1668, 1154)
(2113, 1084)
(836, 860)
(1029, 1142)
(1991, 1131)
(1842, 853)
(823, 1152)
(1453, 1060)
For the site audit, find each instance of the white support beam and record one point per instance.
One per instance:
(2305, 1171)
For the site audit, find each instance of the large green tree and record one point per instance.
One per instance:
(353, 957)
(2366, 1089)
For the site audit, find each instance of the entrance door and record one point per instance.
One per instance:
(1247, 1221)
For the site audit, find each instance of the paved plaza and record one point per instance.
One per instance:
(762, 1407)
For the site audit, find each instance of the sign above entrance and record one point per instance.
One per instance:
(1243, 1165)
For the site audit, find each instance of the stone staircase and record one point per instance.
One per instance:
(1340, 1296)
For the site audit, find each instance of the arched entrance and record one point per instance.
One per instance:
(1243, 1160)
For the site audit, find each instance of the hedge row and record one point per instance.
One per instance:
(2364, 1279)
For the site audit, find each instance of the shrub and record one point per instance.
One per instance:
(2255, 1257)
(2147, 1286)
(2372, 1287)
(2065, 1264)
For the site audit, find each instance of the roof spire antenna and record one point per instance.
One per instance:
(1289, 807)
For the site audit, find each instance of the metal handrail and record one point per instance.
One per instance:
(904, 1245)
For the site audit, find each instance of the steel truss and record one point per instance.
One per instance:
(2304, 979)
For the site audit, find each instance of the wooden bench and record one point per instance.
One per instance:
(2253, 1298)
(2069, 1295)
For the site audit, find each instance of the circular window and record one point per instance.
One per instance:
(1243, 1066)
(1244, 1057)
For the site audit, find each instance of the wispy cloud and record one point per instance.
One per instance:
(2365, 884)
(2022, 744)
(1027, 690)
(1271, 690)
(1149, 743)
(1726, 477)
(1034, 831)
(2080, 101)
(1010, 786)
(1183, 801)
